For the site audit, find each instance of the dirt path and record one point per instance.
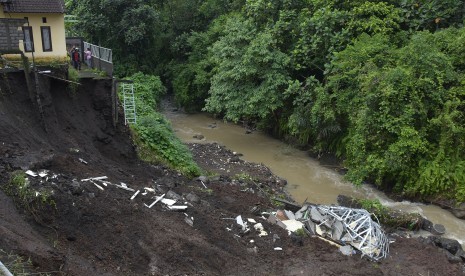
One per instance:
(103, 232)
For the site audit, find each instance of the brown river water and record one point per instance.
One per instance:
(306, 178)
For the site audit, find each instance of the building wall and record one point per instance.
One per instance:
(56, 22)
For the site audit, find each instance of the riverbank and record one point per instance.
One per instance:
(79, 212)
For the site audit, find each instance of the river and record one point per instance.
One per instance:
(306, 178)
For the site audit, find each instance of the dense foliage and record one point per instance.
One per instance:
(153, 134)
(381, 84)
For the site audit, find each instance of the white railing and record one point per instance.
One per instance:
(103, 54)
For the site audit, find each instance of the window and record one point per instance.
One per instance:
(46, 39)
(44, 19)
(28, 39)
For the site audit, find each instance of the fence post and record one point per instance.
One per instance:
(100, 58)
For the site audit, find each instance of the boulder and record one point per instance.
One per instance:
(438, 229)
(452, 258)
(453, 246)
(426, 225)
(459, 211)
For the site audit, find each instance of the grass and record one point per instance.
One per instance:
(23, 194)
(21, 266)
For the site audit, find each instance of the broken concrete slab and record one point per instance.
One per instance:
(193, 197)
(274, 220)
(347, 250)
(293, 225)
(290, 215)
(177, 207)
(259, 227)
(31, 173)
(173, 195)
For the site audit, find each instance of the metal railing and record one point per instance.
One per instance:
(100, 53)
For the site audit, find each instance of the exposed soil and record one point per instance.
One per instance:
(102, 232)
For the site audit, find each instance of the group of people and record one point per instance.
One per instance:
(76, 58)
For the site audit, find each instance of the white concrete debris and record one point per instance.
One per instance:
(94, 178)
(240, 222)
(43, 173)
(124, 187)
(152, 190)
(31, 173)
(168, 201)
(251, 220)
(346, 226)
(158, 199)
(83, 161)
(259, 227)
(178, 207)
(98, 186)
(135, 194)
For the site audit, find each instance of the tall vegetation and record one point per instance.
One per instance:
(153, 134)
(378, 83)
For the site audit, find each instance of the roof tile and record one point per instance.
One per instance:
(34, 6)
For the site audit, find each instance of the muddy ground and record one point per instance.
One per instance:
(89, 231)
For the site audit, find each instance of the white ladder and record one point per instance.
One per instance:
(130, 116)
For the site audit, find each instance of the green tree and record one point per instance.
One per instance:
(250, 73)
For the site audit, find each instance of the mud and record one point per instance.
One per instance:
(93, 232)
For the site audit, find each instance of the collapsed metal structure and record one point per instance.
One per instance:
(348, 226)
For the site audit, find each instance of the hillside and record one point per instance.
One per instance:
(84, 230)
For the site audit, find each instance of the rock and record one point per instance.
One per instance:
(453, 246)
(205, 203)
(248, 131)
(438, 229)
(71, 238)
(275, 237)
(76, 188)
(296, 239)
(460, 253)
(91, 195)
(172, 195)
(452, 258)
(346, 201)
(459, 211)
(198, 136)
(234, 159)
(252, 250)
(426, 225)
(193, 197)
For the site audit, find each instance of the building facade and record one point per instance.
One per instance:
(44, 30)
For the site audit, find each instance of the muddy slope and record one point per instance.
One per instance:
(102, 232)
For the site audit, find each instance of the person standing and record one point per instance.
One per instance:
(77, 59)
(88, 57)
